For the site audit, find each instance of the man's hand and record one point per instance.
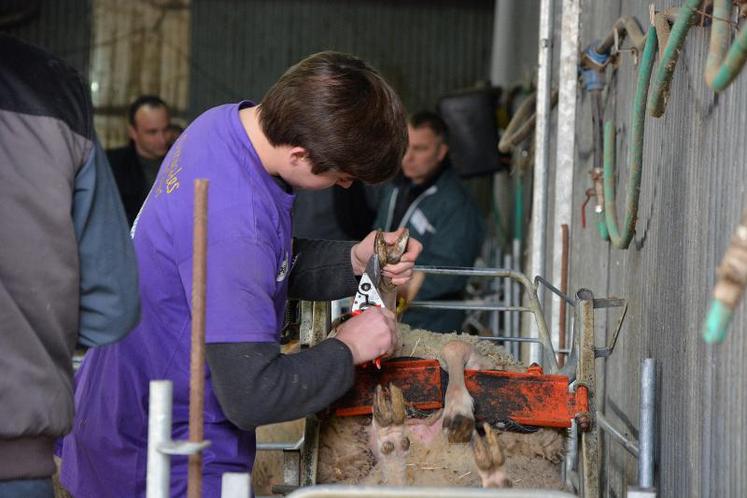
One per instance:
(369, 335)
(400, 273)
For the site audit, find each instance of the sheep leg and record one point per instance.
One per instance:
(389, 441)
(489, 459)
(459, 419)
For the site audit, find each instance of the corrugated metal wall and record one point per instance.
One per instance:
(239, 48)
(692, 193)
(61, 26)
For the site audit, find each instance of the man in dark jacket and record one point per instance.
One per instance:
(429, 199)
(136, 165)
(67, 267)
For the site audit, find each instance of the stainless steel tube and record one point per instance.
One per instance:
(566, 146)
(541, 156)
(516, 289)
(507, 297)
(646, 430)
(345, 491)
(159, 432)
(467, 305)
(281, 446)
(571, 456)
(547, 351)
(607, 427)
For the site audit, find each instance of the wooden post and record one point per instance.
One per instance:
(197, 359)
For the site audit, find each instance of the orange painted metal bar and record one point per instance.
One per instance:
(420, 381)
(528, 398)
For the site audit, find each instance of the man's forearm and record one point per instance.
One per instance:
(322, 271)
(256, 384)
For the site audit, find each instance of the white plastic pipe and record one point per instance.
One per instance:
(235, 485)
(159, 432)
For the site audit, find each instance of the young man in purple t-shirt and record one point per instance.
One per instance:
(330, 119)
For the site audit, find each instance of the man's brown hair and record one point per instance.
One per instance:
(342, 112)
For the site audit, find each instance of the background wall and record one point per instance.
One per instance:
(239, 48)
(692, 193)
(62, 26)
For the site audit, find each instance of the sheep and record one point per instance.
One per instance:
(390, 448)
(438, 453)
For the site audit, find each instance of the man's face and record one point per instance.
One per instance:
(150, 132)
(425, 152)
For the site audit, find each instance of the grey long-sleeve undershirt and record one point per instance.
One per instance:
(256, 384)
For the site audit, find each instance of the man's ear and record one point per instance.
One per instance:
(297, 155)
(131, 132)
(443, 149)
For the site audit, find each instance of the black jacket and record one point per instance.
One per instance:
(133, 188)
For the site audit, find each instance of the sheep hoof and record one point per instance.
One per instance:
(389, 412)
(459, 427)
(489, 459)
(389, 406)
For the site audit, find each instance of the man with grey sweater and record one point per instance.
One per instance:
(67, 267)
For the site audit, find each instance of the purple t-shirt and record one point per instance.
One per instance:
(248, 260)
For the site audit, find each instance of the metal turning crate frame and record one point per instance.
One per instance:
(581, 467)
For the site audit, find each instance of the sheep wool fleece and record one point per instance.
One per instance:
(249, 258)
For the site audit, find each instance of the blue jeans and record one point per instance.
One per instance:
(27, 488)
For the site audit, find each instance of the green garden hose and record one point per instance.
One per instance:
(663, 78)
(731, 280)
(622, 240)
(721, 72)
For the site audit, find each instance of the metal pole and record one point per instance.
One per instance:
(495, 287)
(571, 456)
(566, 144)
(507, 297)
(281, 446)
(564, 289)
(621, 438)
(349, 491)
(235, 485)
(159, 432)
(197, 360)
(646, 431)
(516, 289)
(502, 63)
(542, 157)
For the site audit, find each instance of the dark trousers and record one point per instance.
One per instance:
(27, 488)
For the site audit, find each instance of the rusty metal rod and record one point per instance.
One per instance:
(564, 290)
(197, 358)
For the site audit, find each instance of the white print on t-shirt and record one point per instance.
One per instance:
(293, 262)
(420, 223)
(283, 269)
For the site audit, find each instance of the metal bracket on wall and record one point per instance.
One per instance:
(611, 303)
